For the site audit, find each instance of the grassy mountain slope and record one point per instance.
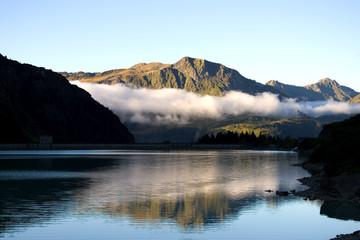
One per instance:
(35, 101)
(191, 74)
(297, 127)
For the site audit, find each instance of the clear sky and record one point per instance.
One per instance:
(295, 42)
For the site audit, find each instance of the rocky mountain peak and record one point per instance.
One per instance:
(328, 82)
(272, 83)
(331, 89)
(198, 68)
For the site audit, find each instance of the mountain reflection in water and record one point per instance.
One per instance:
(191, 188)
(188, 190)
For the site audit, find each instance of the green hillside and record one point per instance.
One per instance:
(298, 127)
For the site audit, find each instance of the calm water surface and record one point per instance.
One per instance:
(161, 195)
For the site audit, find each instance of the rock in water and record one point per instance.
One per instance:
(282, 193)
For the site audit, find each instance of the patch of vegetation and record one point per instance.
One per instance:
(297, 127)
(250, 139)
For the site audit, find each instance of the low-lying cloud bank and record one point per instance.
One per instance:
(179, 106)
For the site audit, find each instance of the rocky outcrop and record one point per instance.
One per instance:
(345, 187)
(35, 101)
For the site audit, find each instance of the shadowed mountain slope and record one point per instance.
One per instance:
(35, 101)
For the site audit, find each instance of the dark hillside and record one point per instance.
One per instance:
(340, 148)
(35, 101)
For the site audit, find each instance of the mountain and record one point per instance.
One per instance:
(300, 93)
(191, 74)
(204, 77)
(331, 89)
(35, 101)
(324, 89)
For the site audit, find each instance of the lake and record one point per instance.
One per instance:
(161, 195)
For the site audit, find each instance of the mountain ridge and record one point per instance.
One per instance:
(210, 78)
(191, 74)
(300, 93)
(324, 89)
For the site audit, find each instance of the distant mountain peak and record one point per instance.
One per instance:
(143, 68)
(331, 89)
(324, 89)
(186, 59)
(273, 83)
(138, 65)
(198, 68)
(197, 63)
(328, 81)
(191, 60)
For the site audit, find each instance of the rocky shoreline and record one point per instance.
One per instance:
(352, 236)
(341, 190)
(344, 187)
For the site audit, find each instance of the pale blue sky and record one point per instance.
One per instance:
(295, 42)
